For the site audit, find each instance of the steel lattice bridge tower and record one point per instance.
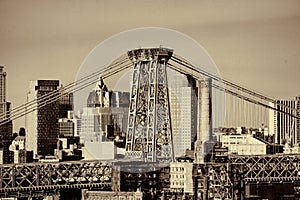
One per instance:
(149, 133)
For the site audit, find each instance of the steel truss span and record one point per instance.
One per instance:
(218, 181)
(269, 168)
(30, 179)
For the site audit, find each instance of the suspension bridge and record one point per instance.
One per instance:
(149, 135)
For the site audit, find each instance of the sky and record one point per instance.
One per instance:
(253, 43)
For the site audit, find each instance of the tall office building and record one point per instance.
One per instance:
(114, 119)
(42, 121)
(5, 128)
(90, 128)
(6, 156)
(284, 126)
(4, 105)
(65, 105)
(183, 105)
(111, 109)
(105, 116)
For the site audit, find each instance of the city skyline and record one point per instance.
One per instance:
(262, 42)
(166, 118)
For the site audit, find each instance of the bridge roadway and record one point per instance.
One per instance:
(33, 178)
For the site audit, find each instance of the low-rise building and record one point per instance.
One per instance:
(181, 177)
(244, 144)
(18, 148)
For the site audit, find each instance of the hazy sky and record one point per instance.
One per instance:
(254, 43)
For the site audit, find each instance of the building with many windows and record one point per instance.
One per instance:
(42, 120)
(181, 177)
(4, 105)
(6, 156)
(183, 106)
(284, 125)
(104, 119)
(90, 128)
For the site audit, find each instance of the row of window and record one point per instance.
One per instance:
(180, 183)
(177, 175)
(177, 169)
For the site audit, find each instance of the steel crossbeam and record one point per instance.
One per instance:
(218, 181)
(219, 184)
(269, 168)
(24, 178)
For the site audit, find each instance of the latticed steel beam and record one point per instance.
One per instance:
(269, 168)
(26, 178)
(149, 134)
(218, 181)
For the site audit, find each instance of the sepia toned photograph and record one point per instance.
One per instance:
(146, 100)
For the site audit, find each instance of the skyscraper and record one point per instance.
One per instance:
(111, 109)
(4, 105)
(284, 125)
(65, 104)
(90, 128)
(6, 127)
(183, 104)
(42, 122)
(2, 90)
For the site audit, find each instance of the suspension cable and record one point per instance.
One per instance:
(57, 94)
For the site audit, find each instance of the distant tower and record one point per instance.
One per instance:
(5, 129)
(42, 120)
(4, 106)
(149, 134)
(2, 85)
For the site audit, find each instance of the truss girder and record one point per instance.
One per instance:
(269, 168)
(54, 176)
(218, 181)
